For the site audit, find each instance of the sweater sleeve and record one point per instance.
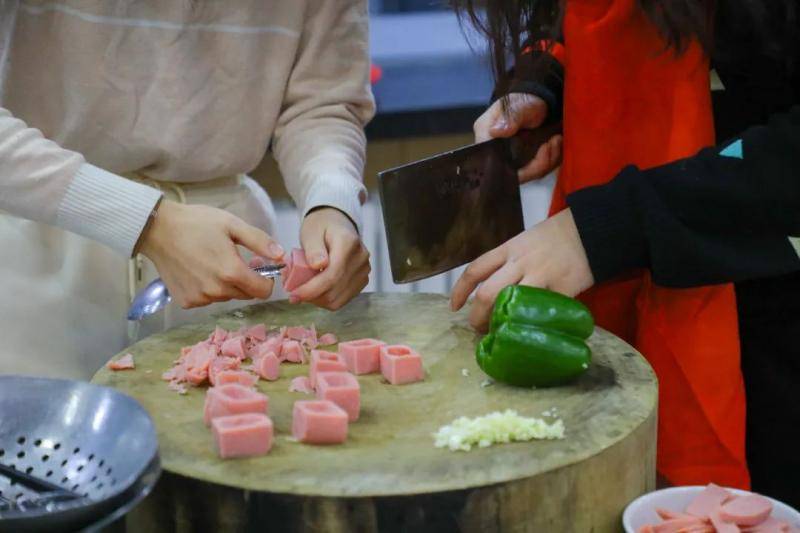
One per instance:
(729, 213)
(319, 140)
(41, 181)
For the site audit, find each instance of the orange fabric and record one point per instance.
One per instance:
(627, 101)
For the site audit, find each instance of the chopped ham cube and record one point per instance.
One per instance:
(234, 347)
(219, 336)
(322, 361)
(363, 356)
(319, 422)
(341, 388)
(297, 271)
(292, 352)
(272, 345)
(236, 376)
(233, 399)
(257, 332)
(268, 367)
(123, 363)
(328, 339)
(220, 364)
(400, 364)
(244, 435)
(301, 384)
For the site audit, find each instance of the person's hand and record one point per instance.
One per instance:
(550, 255)
(194, 249)
(525, 111)
(331, 244)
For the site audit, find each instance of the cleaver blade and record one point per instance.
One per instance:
(447, 210)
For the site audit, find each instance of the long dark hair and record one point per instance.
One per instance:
(509, 24)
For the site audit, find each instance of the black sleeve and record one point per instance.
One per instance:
(540, 74)
(723, 215)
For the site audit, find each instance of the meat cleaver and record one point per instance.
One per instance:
(447, 210)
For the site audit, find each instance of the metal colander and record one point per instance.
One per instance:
(92, 443)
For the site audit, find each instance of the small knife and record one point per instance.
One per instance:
(155, 296)
(447, 210)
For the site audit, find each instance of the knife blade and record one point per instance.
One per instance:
(447, 210)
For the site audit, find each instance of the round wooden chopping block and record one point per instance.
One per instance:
(388, 476)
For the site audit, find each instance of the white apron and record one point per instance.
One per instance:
(64, 298)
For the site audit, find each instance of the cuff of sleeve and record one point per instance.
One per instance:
(340, 192)
(107, 208)
(610, 229)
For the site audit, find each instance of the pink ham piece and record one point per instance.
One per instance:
(770, 525)
(220, 364)
(233, 399)
(234, 347)
(342, 389)
(708, 500)
(327, 339)
(748, 510)
(292, 352)
(272, 345)
(245, 435)
(674, 525)
(219, 336)
(401, 365)
(301, 384)
(319, 422)
(721, 525)
(297, 271)
(322, 361)
(363, 356)
(257, 332)
(268, 367)
(236, 376)
(123, 363)
(647, 528)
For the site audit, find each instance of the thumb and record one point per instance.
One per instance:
(255, 240)
(522, 111)
(312, 239)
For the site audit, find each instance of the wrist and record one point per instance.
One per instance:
(147, 243)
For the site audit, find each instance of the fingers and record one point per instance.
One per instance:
(341, 246)
(523, 111)
(342, 293)
(547, 158)
(483, 124)
(312, 239)
(476, 272)
(483, 303)
(254, 239)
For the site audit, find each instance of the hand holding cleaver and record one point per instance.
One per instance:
(447, 210)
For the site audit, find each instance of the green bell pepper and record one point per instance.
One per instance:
(536, 338)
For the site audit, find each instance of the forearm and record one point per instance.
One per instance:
(707, 219)
(41, 181)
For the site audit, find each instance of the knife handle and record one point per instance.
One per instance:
(526, 143)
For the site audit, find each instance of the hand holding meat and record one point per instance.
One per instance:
(549, 255)
(332, 245)
(525, 111)
(195, 250)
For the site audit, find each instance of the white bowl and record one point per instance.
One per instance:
(642, 510)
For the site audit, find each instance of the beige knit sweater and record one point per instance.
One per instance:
(182, 90)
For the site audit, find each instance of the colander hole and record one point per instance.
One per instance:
(80, 468)
(21, 441)
(2, 452)
(91, 456)
(37, 442)
(85, 494)
(101, 463)
(76, 451)
(13, 467)
(63, 480)
(75, 486)
(64, 462)
(20, 455)
(29, 470)
(49, 473)
(57, 446)
(113, 481)
(45, 458)
(99, 485)
(108, 472)
(94, 478)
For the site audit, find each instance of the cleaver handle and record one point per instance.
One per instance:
(526, 143)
